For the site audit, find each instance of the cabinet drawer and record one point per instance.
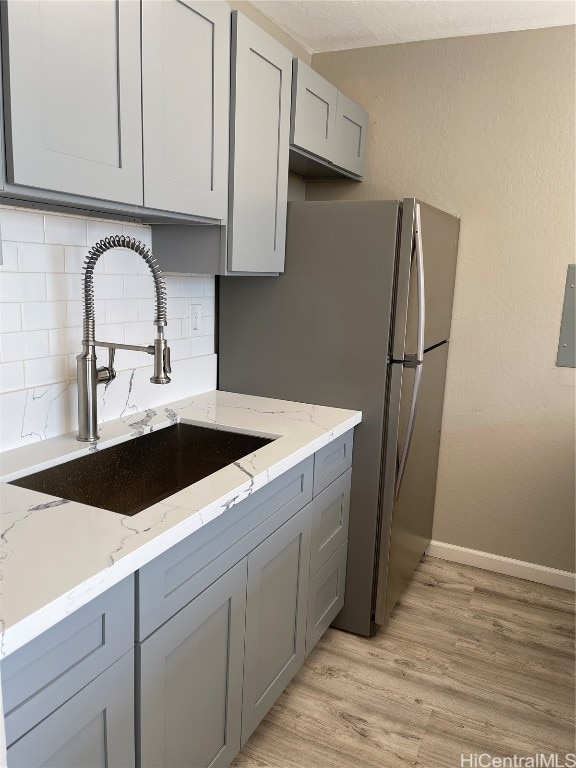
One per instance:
(94, 728)
(48, 670)
(326, 596)
(330, 510)
(172, 580)
(332, 460)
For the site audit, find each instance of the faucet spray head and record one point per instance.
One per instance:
(162, 367)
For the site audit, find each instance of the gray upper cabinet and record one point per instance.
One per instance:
(259, 140)
(93, 729)
(314, 103)
(185, 99)
(72, 97)
(351, 134)
(191, 680)
(276, 610)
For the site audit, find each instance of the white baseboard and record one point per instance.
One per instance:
(488, 562)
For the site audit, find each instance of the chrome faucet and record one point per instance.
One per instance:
(89, 376)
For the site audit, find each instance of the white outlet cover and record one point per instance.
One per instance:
(195, 319)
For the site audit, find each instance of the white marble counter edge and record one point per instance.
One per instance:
(17, 635)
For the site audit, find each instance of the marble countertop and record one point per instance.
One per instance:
(57, 555)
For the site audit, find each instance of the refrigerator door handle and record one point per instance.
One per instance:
(414, 361)
(409, 430)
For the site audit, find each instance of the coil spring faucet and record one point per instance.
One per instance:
(89, 376)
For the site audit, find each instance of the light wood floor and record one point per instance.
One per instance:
(471, 662)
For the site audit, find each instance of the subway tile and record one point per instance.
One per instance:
(121, 261)
(202, 345)
(22, 226)
(42, 315)
(18, 287)
(174, 330)
(126, 359)
(139, 333)
(178, 308)
(35, 257)
(207, 305)
(111, 332)
(48, 370)
(65, 230)
(173, 286)
(63, 287)
(74, 258)
(121, 310)
(141, 233)
(208, 325)
(11, 376)
(138, 286)
(180, 349)
(192, 286)
(146, 309)
(209, 286)
(10, 318)
(23, 346)
(9, 257)
(109, 286)
(97, 230)
(65, 341)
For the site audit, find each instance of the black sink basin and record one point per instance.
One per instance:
(133, 475)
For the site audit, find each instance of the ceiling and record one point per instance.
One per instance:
(335, 25)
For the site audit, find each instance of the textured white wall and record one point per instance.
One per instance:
(484, 127)
(41, 325)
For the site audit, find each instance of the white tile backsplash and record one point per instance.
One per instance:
(41, 324)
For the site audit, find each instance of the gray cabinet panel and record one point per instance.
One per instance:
(72, 97)
(351, 135)
(170, 581)
(50, 669)
(330, 511)
(93, 729)
(275, 616)
(332, 460)
(261, 93)
(191, 680)
(313, 124)
(185, 98)
(326, 596)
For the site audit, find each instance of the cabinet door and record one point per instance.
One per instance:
(73, 115)
(275, 616)
(326, 596)
(261, 94)
(351, 135)
(191, 680)
(93, 729)
(185, 98)
(313, 112)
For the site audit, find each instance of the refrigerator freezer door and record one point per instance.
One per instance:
(320, 333)
(407, 527)
(439, 232)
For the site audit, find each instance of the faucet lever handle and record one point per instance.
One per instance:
(111, 355)
(167, 366)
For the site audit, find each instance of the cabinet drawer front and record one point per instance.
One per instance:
(172, 580)
(329, 521)
(326, 596)
(313, 125)
(332, 460)
(275, 617)
(191, 680)
(48, 670)
(94, 729)
(73, 102)
(351, 135)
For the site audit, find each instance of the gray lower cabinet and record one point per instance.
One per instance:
(93, 729)
(326, 596)
(191, 680)
(275, 616)
(72, 97)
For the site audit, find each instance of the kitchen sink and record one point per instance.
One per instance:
(137, 473)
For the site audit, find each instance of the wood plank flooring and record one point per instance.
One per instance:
(471, 662)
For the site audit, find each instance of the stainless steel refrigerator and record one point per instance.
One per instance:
(360, 319)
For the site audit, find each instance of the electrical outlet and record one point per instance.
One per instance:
(195, 319)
